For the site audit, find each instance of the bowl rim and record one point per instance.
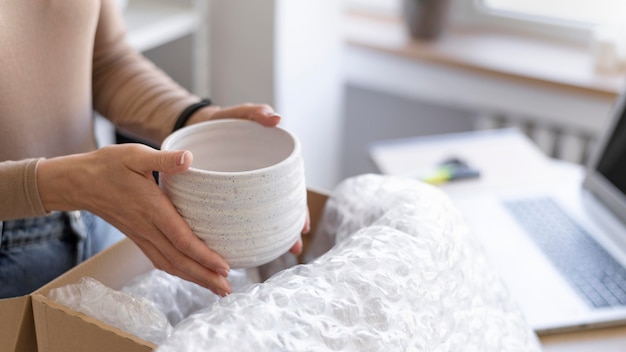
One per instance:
(198, 127)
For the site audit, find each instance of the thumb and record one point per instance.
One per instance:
(171, 162)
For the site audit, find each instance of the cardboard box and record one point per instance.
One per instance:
(17, 330)
(59, 328)
(17, 327)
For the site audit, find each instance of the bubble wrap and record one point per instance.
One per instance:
(178, 298)
(403, 274)
(134, 314)
(150, 305)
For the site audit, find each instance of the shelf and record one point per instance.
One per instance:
(516, 57)
(493, 75)
(152, 23)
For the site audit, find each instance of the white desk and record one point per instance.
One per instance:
(505, 158)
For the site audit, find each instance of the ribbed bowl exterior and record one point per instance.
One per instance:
(249, 218)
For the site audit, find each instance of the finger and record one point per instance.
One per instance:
(261, 113)
(173, 161)
(176, 241)
(181, 237)
(307, 223)
(161, 250)
(146, 159)
(216, 283)
(297, 247)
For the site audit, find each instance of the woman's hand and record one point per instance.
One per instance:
(261, 113)
(116, 183)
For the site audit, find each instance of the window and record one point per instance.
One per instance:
(575, 11)
(562, 19)
(571, 20)
(377, 7)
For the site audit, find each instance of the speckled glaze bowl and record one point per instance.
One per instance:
(245, 193)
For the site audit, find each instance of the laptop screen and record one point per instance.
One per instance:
(606, 174)
(612, 163)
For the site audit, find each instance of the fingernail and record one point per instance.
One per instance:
(223, 272)
(226, 291)
(272, 114)
(181, 160)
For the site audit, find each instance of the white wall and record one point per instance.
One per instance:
(241, 55)
(310, 83)
(288, 54)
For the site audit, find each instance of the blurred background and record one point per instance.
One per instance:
(344, 74)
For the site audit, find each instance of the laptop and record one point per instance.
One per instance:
(561, 247)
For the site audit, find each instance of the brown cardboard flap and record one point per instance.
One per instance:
(114, 267)
(66, 330)
(17, 331)
(316, 201)
(58, 328)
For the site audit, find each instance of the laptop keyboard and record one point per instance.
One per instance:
(588, 267)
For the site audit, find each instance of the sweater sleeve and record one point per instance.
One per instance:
(128, 89)
(18, 190)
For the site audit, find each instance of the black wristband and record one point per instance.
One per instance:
(190, 110)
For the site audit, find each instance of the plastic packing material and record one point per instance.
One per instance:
(148, 306)
(178, 298)
(398, 271)
(134, 314)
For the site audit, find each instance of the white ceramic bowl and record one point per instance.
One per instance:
(245, 193)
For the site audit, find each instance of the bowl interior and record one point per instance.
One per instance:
(233, 145)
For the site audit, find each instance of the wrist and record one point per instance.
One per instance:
(57, 180)
(202, 115)
(189, 112)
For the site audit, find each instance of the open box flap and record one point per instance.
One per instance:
(18, 327)
(57, 326)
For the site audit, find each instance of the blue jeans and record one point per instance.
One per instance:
(34, 251)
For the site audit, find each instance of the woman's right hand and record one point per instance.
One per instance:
(116, 183)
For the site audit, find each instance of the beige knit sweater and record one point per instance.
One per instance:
(59, 61)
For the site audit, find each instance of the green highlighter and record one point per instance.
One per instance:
(450, 169)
